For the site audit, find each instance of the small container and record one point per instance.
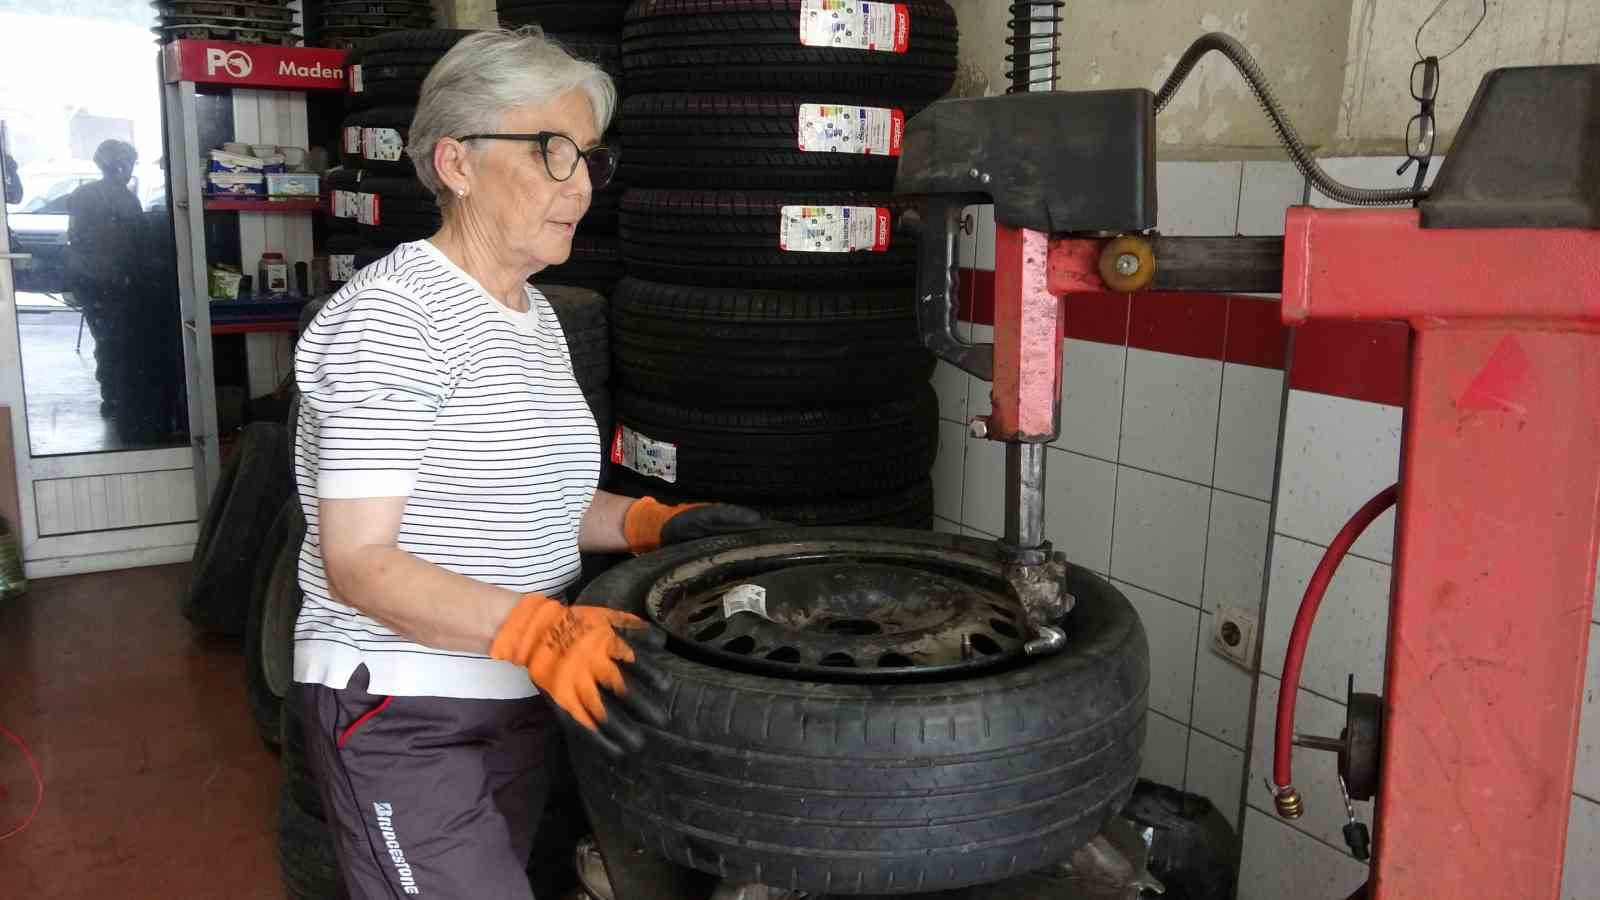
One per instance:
(293, 184)
(274, 274)
(223, 282)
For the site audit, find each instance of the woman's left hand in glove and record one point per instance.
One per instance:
(650, 524)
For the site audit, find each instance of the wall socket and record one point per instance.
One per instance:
(1234, 635)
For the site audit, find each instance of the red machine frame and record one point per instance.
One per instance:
(1498, 517)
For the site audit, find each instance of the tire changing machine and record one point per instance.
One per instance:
(1497, 271)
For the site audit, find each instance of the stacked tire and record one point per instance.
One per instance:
(590, 30)
(258, 22)
(375, 198)
(765, 342)
(347, 23)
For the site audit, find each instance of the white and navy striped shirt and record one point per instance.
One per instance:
(416, 383)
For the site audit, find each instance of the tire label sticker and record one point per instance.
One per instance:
(382, 144)
(344, 204)
(867, 130)
(357, 82)
(648, 457)
(341, 266)
(834, 229)
(855, 25)
(352, 140)
(368, 211)
(745, 598)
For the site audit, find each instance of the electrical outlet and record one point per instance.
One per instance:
(1235, 635)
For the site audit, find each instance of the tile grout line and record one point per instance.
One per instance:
(1312, 691)
(1196, 608)
(1352, 554)
(1211, 502)
(1122, 409)
(1229, 744)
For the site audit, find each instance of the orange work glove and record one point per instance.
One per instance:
(650, 524)
(573, 653)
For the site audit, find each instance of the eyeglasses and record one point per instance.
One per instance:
(562, 156)
(1421, 130)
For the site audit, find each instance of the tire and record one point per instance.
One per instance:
(733, 238)
(298, 780)
(595, 263)
(406, 211)
(583, 317)
(563, 15)
(393, 65)
(711, 45)
(359, 150)
(599, 401)
(731, 347)
(435, 41)
(269, 633)
(604, 50)
(605, 206)
(306, 855)
(784, 456)
(882, 788)
(910, 507)
(254, 483)
(551, 869)
(745, 141)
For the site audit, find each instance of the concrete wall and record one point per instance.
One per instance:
(466, 13)
(1340, 67)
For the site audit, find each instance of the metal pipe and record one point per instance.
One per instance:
(1024, 495)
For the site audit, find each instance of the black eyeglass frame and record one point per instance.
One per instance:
(1424, 121)
(543, 138)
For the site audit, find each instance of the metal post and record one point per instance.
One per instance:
(1024, 495)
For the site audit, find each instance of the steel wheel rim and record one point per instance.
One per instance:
(853, 611)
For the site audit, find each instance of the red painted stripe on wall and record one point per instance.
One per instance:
(1102, 318)
(1182, 324)
(1359, 360)
(1256, 334)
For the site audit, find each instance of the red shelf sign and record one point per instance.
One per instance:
(254, 65)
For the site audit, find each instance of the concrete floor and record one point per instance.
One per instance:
(156, 784)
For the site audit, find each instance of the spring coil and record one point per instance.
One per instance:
(1023, 67)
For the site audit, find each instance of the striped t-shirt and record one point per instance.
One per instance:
(416, 383)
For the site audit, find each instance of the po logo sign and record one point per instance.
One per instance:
(235, 62)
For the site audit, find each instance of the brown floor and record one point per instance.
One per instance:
(156, 784)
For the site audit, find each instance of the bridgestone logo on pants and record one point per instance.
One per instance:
(385, 817)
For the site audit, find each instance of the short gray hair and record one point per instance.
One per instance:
(489, 73)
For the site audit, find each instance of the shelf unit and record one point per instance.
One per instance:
(240, 204)
(267, 85)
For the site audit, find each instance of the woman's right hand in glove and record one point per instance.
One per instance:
(592, 663)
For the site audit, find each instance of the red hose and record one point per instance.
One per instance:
(1294, 659)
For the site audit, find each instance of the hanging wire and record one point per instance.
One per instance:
(1025, 69)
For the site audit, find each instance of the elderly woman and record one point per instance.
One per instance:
(447, 465)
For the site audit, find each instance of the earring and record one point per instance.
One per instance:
(462, 193)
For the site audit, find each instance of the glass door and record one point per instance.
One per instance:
(91, 362)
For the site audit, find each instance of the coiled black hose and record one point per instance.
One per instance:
(1230, 47)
